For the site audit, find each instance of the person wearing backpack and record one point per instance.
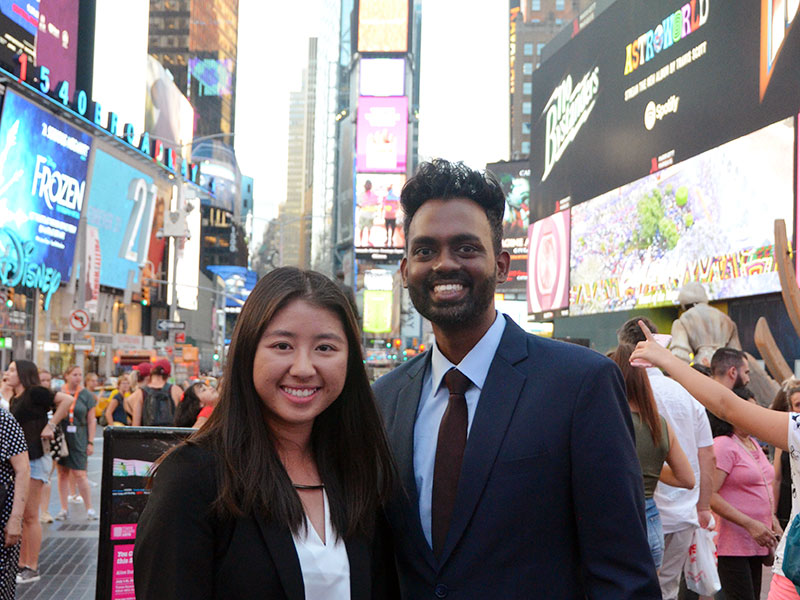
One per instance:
(154, 404)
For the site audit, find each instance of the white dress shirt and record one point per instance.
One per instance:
(325, 566)
(433, 403)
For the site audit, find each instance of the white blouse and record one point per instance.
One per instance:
(325, 567)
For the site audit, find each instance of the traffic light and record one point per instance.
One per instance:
(145, 292)
(216, 356)
(10, 299)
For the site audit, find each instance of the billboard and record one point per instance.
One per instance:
(215, 75)
(514, 178)
(42, 181)
(707, 219)
(383, 25)
(239, 282)
(382, 77)
(378, 213)
(46, 32)
(648, 85)
(548, 266)
(377, 311)
(168, 116)
(381, 134)
(122, 206)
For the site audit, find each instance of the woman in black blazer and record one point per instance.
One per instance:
(278, 495)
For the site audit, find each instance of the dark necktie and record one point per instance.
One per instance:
(449, 455)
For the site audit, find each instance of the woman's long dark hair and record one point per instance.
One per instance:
(189, 407)
(348, 439)
(28, 373)
(638, 390)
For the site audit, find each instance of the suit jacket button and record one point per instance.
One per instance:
(441, 591)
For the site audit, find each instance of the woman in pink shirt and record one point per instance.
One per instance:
(743, 498)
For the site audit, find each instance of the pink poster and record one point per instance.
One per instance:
(122, 573)
(381, 134)
(548, 263)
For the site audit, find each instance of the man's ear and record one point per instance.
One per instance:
(404, 271)
(503, 262)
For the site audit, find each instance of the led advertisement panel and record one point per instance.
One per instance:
(239, 282)
(548, 267)
(650, 84)
(42, 181)
(122, 206)
(382, 76)
(708, 219)
(378, 214)
(383, 26)
(46, 31)
(514, 177)
(214, 75)
(381, 134)
(377, 311)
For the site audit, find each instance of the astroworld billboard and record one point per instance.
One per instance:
(649, 84)
(514, 179)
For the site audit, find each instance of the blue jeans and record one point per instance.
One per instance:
(655, 534)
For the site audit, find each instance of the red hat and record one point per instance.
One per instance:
(164, 364)
(144, 368)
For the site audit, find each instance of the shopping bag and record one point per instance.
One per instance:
(700, 568)
(791, 552)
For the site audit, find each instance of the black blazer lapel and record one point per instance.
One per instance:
(280, 544)
(496, 406)
(360, 569)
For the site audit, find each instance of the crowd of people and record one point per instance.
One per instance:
(46, 429)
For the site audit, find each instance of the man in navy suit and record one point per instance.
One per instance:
(516, 453)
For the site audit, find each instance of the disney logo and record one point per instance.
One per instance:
(17, 268)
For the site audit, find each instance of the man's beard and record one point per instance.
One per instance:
(739, 381)
(479, 297)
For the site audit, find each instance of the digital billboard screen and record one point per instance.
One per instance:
(650, 84)
(382, 76)
(383, 26)
(46, 31)
(708, 219)
(377, 311)
(548, 266)
(378, 214)
(122, 206)
(43, 163)
(514, 178)
(381, 134)
(239, 282)
(215, 76)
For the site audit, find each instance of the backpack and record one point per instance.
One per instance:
(158, 409)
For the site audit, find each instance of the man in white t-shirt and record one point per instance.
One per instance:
(681, 510)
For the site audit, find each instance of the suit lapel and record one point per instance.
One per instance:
(280, 544)
(402, 440)
(496, 406)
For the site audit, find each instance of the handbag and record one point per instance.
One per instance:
(701, 567)
(58, 445)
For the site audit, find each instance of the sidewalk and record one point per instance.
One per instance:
(68, 559)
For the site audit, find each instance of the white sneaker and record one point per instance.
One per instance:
(77, 499)
(61, 516)
(91, 515)
(45, 517)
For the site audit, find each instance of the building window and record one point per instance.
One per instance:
(527, 88)
(559, 4)
(526, 147)
(527, 68)
(536, 4)
(539, 47)
(526, 127)
(559, 21)
(527, 49)
(526, 108)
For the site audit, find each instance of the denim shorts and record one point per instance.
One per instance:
(41, 467)
(655, 533)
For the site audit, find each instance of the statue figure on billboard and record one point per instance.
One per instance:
(702, 329)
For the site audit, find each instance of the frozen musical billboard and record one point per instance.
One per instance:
(383, 25)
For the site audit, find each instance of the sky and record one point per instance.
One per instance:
(463, 95)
